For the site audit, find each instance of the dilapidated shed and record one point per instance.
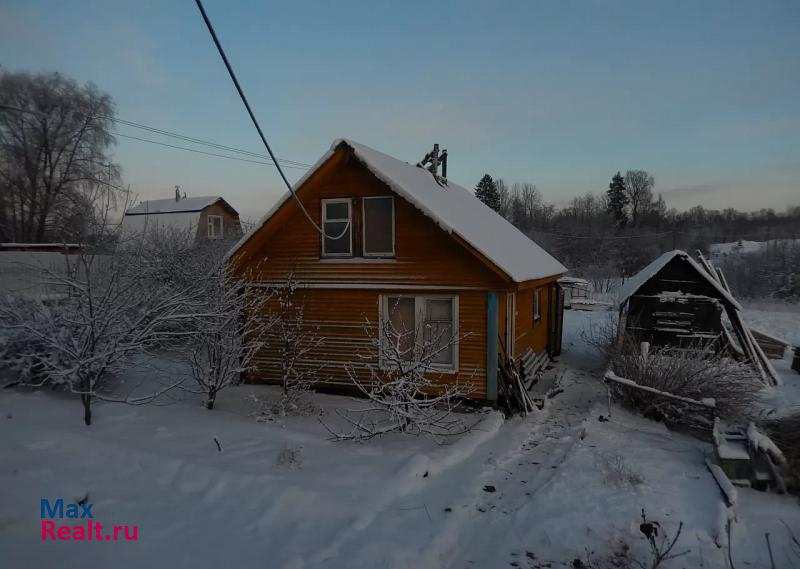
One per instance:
(682, 302)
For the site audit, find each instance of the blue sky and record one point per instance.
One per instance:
(562, 94)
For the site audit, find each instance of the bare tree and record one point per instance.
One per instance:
(293, 338)
(54, 142)
(231, 330)
(405, 387)
(639, 189)
(504, 208)
(108, 308)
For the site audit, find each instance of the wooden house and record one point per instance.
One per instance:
(397, 236)
(200, 218)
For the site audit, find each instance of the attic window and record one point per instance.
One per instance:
(215, 227)
(337, 216)
(379, 226)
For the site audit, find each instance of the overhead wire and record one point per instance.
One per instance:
(606, 237)
(201, 151)
(289, 163)
(243, 97)
(203, 142)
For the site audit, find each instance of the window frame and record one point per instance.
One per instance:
(419, 311)
(383, 254)
(210, 218)
(324, 203)
(537, 304)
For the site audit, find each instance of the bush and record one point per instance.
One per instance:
(695, 372)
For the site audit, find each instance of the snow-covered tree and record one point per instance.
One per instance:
(406, 391)
(104, 308)
(294, 338)
(291, 340)
(231, 328)
(486, 191)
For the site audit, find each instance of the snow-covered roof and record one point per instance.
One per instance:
(636, 281)
(453, 208)
(575, 281)
(184, 222)
(171, 206)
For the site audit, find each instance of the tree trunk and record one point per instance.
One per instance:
(86, 399)
(212, 397)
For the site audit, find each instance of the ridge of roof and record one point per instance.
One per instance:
(169, 205)
(637, 281)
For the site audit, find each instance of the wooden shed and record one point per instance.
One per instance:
(395, 233)
(674, 301)
(677, 301)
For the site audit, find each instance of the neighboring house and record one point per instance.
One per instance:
(398, 240)
(576, 291)
(203, 217)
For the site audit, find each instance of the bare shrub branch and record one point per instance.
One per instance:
(406, 389)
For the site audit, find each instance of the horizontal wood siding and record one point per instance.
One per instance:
(230, 222)
(425, 254)
(530, 333)
(341, 295)
(347, 320)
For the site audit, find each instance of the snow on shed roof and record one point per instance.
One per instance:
(169, 205)
(636, 281)
(183, 222)
(453, 208)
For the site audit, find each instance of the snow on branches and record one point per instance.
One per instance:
(109, 306)
(407, 391)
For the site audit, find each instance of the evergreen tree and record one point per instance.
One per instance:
(486, 191)
(617, 200)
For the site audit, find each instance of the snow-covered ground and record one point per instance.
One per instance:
(718, 251)
(782, 320)
(522, 493)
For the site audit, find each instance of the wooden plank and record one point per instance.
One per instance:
(759, 359)
(706, 265)
(729, 493)
(610, 376)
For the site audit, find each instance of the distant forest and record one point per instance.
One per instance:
(613, 234)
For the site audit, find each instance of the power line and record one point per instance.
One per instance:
(606, 237)
(201, 141)
(201, 151)
(258, 127)
(289, 163)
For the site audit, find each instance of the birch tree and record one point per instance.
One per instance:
(55, 141)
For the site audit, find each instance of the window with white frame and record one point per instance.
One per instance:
(420, 328)
(215, 227)
(537, 299)
(378, 226)
(337, 217)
